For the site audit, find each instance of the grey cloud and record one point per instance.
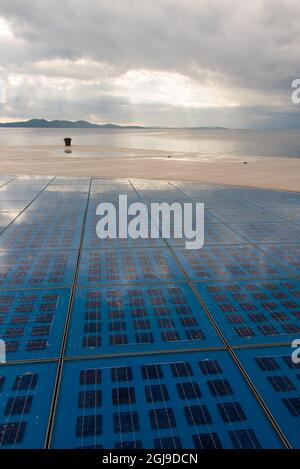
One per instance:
(241, 45)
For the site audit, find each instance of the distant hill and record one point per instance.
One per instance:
(64, 124)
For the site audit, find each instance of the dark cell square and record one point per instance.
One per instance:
(92, 316)
(293, 405)
(231, 412)
(12, 346)
(25, 382)
(181, 369)
(36, 345)
(138, 312)
(117, 326)
(170, 336)
(268, 330)
(40, 331)
(18, 405)
(152, 372)
(210, 367)
(197, 415)
(118, 339)
(244, 331)
(188, 390)
(44, 318)
(169, 442)
(13, 332)
(289, 362)
(90, 399)
(92, 327)
(125, 422)
(144, 338)
(121, 374)
(121, 396)
(141, 324)
(244, 439)
(256, 318)
(281, 383)
(162, 418)
(161, 311)
(2, 381)
(267, 363)
(134, 444)
(235, 319)
(220, 387)
(291, 328)
(12, 433)
(91, 341)
(207, 441)
(227, 308)
(156, 393)
(165, 323)
(190, 321)
(92, 376)
(89, 425)
(183, 310)
(195, 334)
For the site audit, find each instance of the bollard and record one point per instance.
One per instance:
(68, 141)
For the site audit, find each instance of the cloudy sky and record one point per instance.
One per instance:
(151, 62)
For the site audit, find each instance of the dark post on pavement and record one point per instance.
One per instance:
(68, 141)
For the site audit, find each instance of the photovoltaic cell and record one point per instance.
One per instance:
(163, 401)
(287, 254)
(26, 395)
(215, 233)
(138, 318)
(32, 323)
(276, 377)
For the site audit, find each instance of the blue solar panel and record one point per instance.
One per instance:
(137, 319)
(251, 214)
(215, 233)
(222, 262)
(286, 254)
(26, 394)
(268, 232)
(192, 400)
(254, 312)
(276, 378)
(32, 323)
(28, 269)
(50, 230)
(13, 205)
(143, 365)
(124, 265)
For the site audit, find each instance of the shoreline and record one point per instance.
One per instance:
(113, 162)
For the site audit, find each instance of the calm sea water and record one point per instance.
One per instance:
(196, 143)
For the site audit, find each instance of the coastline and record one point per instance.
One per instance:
(110, 162)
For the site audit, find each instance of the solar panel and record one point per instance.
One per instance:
(222, 262)
(130, 319)
(28, 269)
(32, 322)
(215, 233)
(26, 396)
(286, 254)
(150, 407)
(276, 378)
(254, 312)
(124, 265)
(268, 232)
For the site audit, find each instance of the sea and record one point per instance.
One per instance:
(203, 144)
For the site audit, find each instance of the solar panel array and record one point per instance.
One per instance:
(141, 343)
